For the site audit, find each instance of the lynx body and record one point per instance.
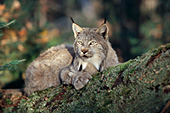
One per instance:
(65, 64)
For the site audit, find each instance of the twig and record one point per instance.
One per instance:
(6, 25)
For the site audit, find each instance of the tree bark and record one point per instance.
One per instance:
(137, 86)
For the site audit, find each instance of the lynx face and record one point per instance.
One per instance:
(90, 44)
(87, 46)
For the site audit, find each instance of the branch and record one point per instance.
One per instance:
(7, 24)
(139, 85)
(10, 65)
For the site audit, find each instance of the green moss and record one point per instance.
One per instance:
(139, 88)
(167, 46)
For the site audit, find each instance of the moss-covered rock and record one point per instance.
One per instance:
(137, 86)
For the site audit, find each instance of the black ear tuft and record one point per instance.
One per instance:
(76, 28)
(105, 20)
(72, 20)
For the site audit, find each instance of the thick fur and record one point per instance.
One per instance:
(64, 64)
(44, 71)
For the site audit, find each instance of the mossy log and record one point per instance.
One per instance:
(141, 85)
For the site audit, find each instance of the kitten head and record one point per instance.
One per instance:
(91, 44)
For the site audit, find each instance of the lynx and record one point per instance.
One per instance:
(66, 64)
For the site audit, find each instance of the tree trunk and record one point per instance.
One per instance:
(137, 86)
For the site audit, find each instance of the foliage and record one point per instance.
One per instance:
(10, 65)
(138, 25)
(4, 25)
(139, 85)
(24, 39)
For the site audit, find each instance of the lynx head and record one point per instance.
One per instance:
(91, 44)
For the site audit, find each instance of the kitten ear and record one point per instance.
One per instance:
(103, 30)
(76, 29)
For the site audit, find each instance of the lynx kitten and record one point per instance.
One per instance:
(64, 64)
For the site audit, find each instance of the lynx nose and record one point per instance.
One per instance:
(84, 51)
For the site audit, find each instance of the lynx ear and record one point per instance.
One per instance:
(103, 30)
(76, 29)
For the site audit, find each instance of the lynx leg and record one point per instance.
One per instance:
(77, 78)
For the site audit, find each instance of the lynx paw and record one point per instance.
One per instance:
(81, 80)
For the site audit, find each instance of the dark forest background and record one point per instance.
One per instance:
(136, 26)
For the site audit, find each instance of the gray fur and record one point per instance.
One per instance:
(64, 64)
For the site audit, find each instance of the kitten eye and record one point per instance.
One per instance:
(80, 42)
(92, 43)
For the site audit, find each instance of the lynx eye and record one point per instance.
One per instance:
(80, 42)
(92, 43)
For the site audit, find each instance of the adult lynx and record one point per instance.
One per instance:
(65, 64)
